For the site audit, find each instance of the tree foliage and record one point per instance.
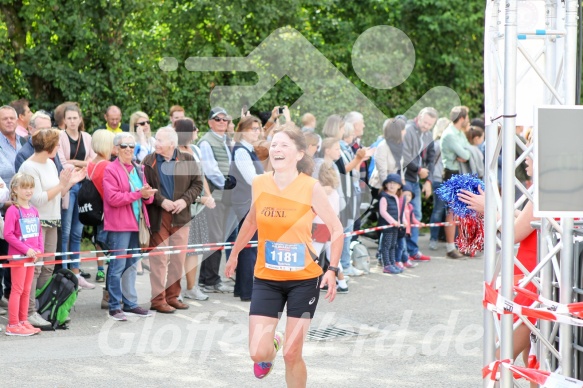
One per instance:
(107, 52)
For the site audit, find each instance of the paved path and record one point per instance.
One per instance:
(419, 329)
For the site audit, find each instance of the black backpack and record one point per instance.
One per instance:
(90, 202)
(56, 298)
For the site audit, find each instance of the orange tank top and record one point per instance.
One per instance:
(284, 229)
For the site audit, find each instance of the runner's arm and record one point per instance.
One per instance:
(246, 232)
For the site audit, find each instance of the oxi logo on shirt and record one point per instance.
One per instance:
(274, 212)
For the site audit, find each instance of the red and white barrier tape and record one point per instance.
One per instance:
(571, 308)
(158, 252)
(493, 301)
(544, 378)
(199, 248)
(373, 229)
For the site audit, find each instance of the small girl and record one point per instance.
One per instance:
(407, 219)
(389, 210)
(23, 234)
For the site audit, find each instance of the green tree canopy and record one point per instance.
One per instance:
(108, 52)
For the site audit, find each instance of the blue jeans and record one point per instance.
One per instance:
(412, 240)
(345, 257)
(121, 274)
(402, 255)
(101, 237)
(72, 228)
(438, 214)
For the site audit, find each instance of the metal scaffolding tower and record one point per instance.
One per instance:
(530, 60)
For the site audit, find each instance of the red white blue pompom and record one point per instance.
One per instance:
(471, 232)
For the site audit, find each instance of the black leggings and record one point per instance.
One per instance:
(389, 246)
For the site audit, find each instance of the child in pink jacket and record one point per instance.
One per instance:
(23, 234)
(408, 219)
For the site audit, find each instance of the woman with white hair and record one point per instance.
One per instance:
(125, 195)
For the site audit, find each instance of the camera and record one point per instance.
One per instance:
(280, 110)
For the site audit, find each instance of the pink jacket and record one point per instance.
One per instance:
(409, 217)
(118, 215)
(64, 154)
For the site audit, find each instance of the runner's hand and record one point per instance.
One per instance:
(231, 265)
(329, 279)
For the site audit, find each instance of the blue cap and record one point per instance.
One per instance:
(393, 178)
(407, 187)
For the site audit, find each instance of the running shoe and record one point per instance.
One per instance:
(340, 290)
(262, 369)
(138, 312)
(419, 257)
(100, 277)
(410, 264)
(19, 330)
(30, 327)
(391, 269)
(195, 294)
(118, 315)
(84, 283)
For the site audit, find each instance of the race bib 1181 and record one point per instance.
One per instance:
(285, 256)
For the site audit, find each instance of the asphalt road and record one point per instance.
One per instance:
(422, 328)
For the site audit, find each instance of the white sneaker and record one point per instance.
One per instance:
(195, 294)
(37, 321)
(84, 283)
(351, 271)
(433, 245)
(180, 297)
(219, 288)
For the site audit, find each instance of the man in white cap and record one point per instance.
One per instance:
(216, 159)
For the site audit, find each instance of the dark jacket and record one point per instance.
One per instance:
(187, 186)
(240, 196)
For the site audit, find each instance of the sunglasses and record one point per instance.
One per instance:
(143, 123)
(123, 146)
(219, 119)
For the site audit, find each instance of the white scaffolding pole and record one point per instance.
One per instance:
(566, 292)
(508, 155)
(489, 221)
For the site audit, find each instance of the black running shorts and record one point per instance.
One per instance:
(269, 297)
